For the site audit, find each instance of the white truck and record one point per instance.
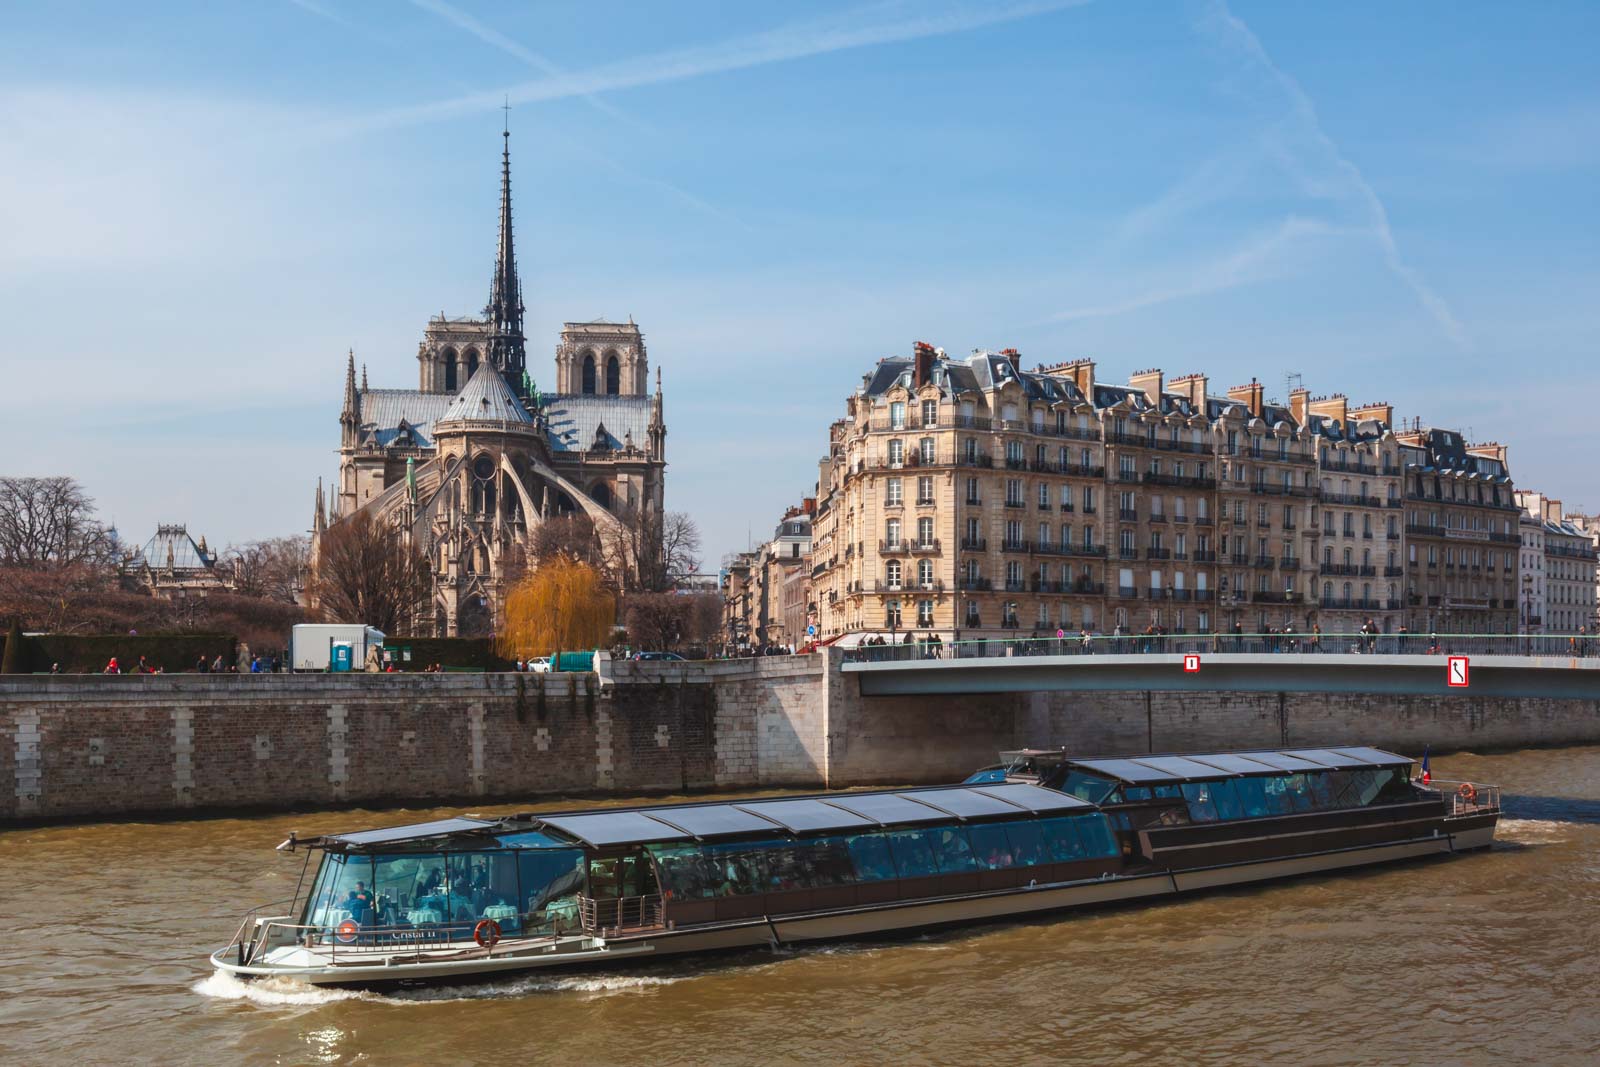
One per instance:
(332, 646)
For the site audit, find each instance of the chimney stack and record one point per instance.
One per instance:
(1383, 411)
(1298, 400)
(922, 364)
(1193, 386)
(1150, 383)
(1251, 396)
(1331, 407)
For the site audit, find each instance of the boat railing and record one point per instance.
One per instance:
(366, 941)
(603, 914)
(241, 936)
(1466, 798)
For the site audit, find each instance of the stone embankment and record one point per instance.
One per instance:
(92, 747)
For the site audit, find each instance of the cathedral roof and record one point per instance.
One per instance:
(390, 409)
(486, 398)
(575, 420)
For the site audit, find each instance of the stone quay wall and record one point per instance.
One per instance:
(91, 747)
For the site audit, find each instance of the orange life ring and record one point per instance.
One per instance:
(348, 930)
(1467, 792)
(486, 933)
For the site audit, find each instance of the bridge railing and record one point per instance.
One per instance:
(919, 647)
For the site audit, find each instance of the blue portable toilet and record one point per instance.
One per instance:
(340, 659)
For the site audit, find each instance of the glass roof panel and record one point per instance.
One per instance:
(1228, 761)
(1127, 770)
(966, 803)
(532, 839)
(888, 808)
(406, 833)
(803, 815)
(615, 828)
(1284, 761)
(1033, 797)
(712, 820)
(1179, 765)
(1376, 756)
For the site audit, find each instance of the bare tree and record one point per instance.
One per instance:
(48, 523)
(663, 548)
(368, 572)
(274, 569)
(666, 621)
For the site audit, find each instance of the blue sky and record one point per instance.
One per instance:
(202, 206)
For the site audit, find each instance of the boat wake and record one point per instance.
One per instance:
(274, 992)
(1534, 830)
(288, 993)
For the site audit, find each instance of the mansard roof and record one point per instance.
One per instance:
(574, 420)
(486, 398)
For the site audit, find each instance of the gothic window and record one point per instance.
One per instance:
(448, 358)
(472, 362)
(588, 373)
(613, 375)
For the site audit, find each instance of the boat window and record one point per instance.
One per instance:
(686, 873)
(1087, 786)
(1253, 797)
(1341, 789)
(1225, 797)
(1321, 792)
(870, 855)
(336, 881)
(1201, 807)
(953, 850)
(1299, 792)
(736, 870)
(991, 846)
(1168, 792)
(1276, 788)
(914, 852)
(829, 861)
(1097, 835)
(550, 882)
(1364, 786)
(1027, 843)
(398, 882)
(1136, 792)
(1062, 840)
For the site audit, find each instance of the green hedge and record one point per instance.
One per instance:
(89, 653)
(475, 653)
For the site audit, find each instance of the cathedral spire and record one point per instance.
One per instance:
(350, 414)
(506, 344)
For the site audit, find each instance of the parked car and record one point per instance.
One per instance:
(640, 656)
(539, 664)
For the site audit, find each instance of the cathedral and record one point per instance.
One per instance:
(471, 461)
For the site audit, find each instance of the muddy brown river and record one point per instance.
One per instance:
(1486, 958)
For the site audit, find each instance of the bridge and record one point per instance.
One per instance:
(1497, 666)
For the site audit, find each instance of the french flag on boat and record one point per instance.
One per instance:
(1427, 775)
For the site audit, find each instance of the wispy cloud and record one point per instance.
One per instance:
(863, 28)
(495, 39)
(1254, 261)
(1328, 171)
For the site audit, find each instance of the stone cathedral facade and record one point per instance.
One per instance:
(471, 461)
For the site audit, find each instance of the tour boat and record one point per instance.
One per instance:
(475, 898)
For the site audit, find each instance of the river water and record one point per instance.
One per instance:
(1491, 957)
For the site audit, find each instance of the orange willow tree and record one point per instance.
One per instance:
(562, 605)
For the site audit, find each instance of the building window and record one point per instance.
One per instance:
(897, 415)
(588, 373)
(892, 533)
(891, 491)
(897, 453)
(925, 490)
(925, 574)
(925, 613)
(930, 413)
(891, 614)
(891, 574)
(972, 491)
(613, 376)
(925, 532)
(925, 447)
